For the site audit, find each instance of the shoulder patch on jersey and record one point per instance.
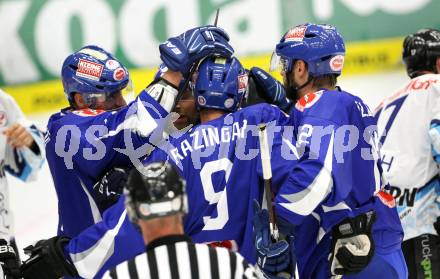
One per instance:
(3, 118)
(308, 100)
(386, 199)
(88, 112)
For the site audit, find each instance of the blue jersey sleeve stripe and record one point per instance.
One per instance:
(305, 201)
(89, 262)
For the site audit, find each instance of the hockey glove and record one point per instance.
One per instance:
(271, 90)
(272, 258)
(8, 261)
(181, 52)
(352, 244)
(47, 260)
(107, 191)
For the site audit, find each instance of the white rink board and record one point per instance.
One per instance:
(34, 205)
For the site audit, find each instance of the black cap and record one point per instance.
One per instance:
(420, 51)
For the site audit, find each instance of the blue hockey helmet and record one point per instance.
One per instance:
(319, 45)
(92, 71)
(221, 84)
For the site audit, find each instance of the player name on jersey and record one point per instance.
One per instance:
(208, 136)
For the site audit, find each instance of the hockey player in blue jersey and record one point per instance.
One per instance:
(98, 130)
(220, 200)
(84, 141)
(215, 156)
(334, 192)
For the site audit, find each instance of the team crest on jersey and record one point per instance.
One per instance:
(308, 100)
(295, 34)
(3, 118)
(89, 69)
(88, 112)
(386, 199)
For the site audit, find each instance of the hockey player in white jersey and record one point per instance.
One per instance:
(409, 130)
(21, 155)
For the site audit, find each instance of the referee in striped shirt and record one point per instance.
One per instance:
(156, 202)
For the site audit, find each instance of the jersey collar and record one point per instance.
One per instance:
(167, 240)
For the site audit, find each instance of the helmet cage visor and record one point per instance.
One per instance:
(97, 99)
(280, 63)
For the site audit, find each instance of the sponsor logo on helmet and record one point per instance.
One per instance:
(88, 112)
(3, 119)
(336, 63)
(242, 83)
(386, 199)
(89, 69)
(295, 34)
(119, 74)
(112, 64)
(229, 103)
(308, 100)
(201, 100)
(94, 53)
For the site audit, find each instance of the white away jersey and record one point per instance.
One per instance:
(409, 130)
(22, 163)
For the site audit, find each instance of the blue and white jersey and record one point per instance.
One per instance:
(22, 163)
(106, 244)
(82, 145)
(221, 162)
(408, 122)
(336, 177)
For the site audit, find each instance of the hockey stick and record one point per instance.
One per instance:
(192, 71)
(267, 178)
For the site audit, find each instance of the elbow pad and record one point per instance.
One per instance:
(164, 93)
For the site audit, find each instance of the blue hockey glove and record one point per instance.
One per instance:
(271, 90)
(272, 258)
(181, 52)
(107, 191)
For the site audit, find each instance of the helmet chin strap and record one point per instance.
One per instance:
(292, 91)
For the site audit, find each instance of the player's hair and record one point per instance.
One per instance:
(328, 80)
